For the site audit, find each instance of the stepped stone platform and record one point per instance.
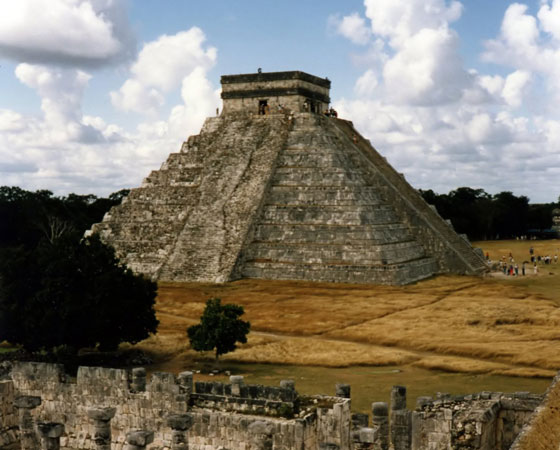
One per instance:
(267, 191)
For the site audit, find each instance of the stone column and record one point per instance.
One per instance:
(138, 440)
(261, 435)
(236, 383)
(24, 404)
(50, 433)
(185, 380)
(288, 384)
(342, 390)
(380, 421)
(138, 379)
(102, 423)
(401, 419)
(180, 424)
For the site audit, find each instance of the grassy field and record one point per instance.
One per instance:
(450, 333)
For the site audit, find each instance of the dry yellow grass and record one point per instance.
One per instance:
(319, 352)
(495, 325)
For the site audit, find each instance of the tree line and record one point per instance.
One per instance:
(482, 216)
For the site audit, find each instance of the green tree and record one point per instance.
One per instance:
(73, 293)
(220, 328)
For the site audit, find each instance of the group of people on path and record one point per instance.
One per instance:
(510, 268)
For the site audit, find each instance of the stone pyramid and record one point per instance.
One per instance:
(275, 189)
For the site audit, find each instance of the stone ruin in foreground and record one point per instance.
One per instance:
(290, 194)
(118, 409)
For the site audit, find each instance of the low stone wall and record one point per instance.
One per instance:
(233, 416)
(106, 405)
(8, 414)
(251, 399)
(484, 421)
(136, 406)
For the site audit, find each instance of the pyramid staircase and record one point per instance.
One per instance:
(301, 198)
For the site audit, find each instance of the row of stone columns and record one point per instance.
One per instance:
(50, 432)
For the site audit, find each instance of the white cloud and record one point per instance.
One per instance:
(87, 33)
(427, 69)
(200, 101)
(444, 125)
(352, 27)
(61, 92)
(549, 16)
(366, 84)
(11, 121)
(398, 20)
(136, 96)
(73, 152)
(515, 86)
(161, 66)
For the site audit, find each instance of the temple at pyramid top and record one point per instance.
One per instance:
(261, 92)
(273, 188)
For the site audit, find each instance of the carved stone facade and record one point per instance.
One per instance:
(266, 93)
(296, 195)
(114, 409)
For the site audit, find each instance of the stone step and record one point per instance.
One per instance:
(162, 195)
(132, 212)
(309, 177)
(181, 161)
(335, 215)
(385, 274)
(317, 159)
(313, 195)
(173, 177)
(310, 253)
(334, 234)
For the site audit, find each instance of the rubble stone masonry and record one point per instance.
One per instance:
(111, 409)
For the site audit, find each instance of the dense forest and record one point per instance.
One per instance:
(61, 292)
(27, 217)
(482, 216)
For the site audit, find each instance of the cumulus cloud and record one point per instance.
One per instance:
(366, 84)
(549, 16)
(352, 27)
(86, 33)
(61, 92)
(76, 152)
(161, 66)
(200, 101)
(444, 125)
(515, 86)
(529, 44)
(398, 20)
(427, 69)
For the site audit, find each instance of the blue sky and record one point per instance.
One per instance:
(94, 94)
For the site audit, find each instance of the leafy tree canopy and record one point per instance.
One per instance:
(74, 293)
(58, 290)
(220, 328)
(484, 216)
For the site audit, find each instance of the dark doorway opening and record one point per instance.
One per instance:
(263, 107)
